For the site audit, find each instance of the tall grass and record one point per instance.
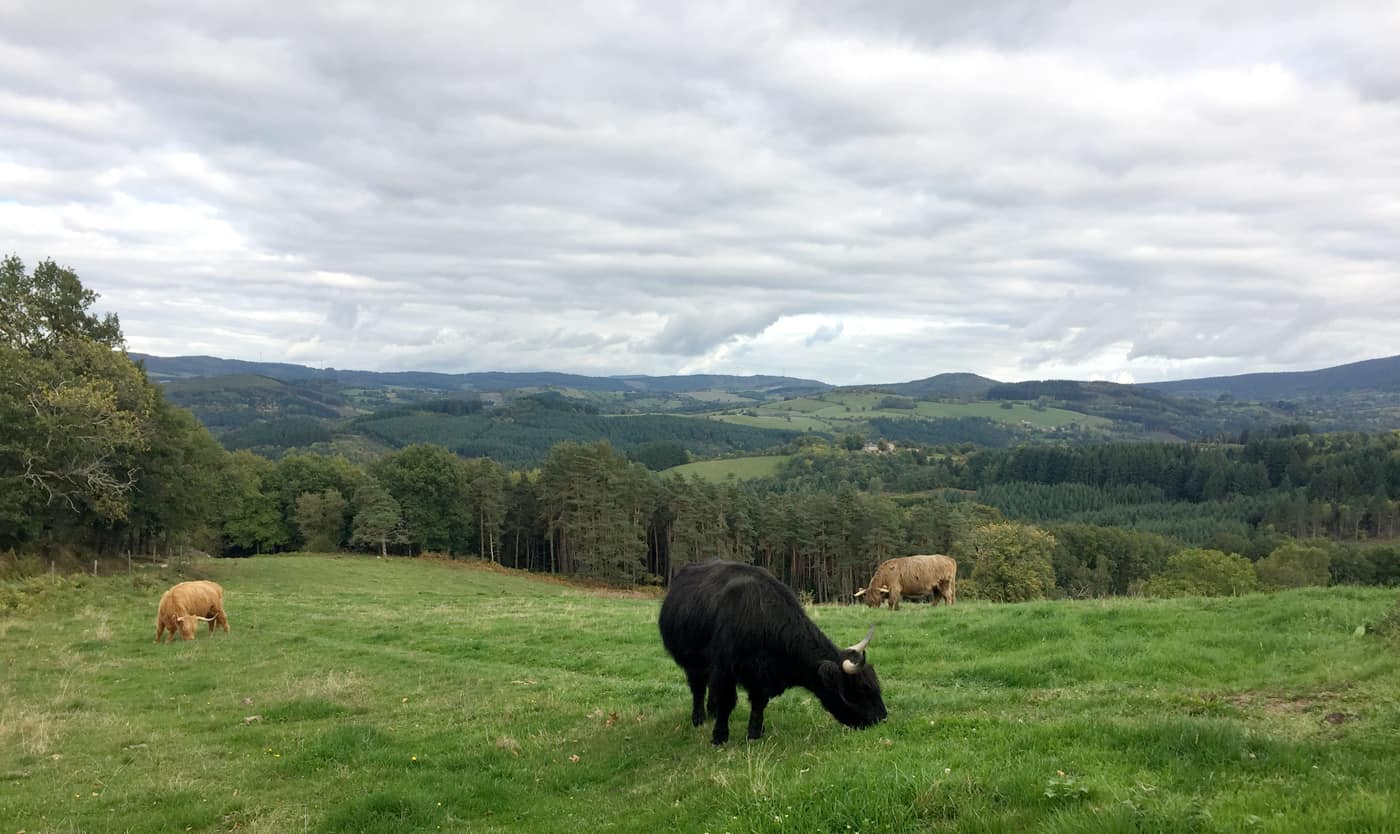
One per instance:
(366, 695)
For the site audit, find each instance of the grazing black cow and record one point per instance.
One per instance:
(727, 623)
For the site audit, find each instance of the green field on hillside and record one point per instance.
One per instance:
(842, 412)
(364, 695)
(719, 471)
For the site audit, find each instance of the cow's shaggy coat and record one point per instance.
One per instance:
(912, 576)
(186, 605)
(729, 624)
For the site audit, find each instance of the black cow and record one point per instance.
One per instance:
(727, 623)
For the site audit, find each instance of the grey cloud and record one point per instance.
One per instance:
(693, 333)
(825, 333)
(1079, 188)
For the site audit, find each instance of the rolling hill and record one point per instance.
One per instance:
(1380, 375)
(163, 369)
(272, 408)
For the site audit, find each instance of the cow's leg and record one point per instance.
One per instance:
(894, 601)
(696, 679)
(223, 620)
(757, 702)
(160, 629)
(950, 591)
(723, 696)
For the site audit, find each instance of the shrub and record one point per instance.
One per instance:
(1207, 573)
(1389, 624)
(1295, 565)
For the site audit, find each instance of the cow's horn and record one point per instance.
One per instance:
(205, 619)
(884, 590)
(861, 592)
(860, 647)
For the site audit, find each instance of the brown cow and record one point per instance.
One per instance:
(912, 576)
(187, 604)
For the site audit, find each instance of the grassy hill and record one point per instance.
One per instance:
(365, 695)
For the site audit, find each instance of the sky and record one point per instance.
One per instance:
(849, 191)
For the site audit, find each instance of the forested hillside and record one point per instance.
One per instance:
(94, 460)
(1373, 375)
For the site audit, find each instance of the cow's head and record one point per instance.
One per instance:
(850, 689)
(187, 623)
(873, 596)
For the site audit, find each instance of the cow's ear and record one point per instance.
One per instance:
(830, 674)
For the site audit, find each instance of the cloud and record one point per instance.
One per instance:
(829, 189)
(697, 332)
(825, 333)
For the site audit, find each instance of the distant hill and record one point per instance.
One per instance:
(168, 368)
(272, 407)
(1381, 375)
(224, 402)
(943, 385)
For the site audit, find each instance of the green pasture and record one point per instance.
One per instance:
(719, 471)
(364, 695)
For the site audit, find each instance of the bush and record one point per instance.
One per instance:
(1389, 624)
(1207, 573)
(1295, 565)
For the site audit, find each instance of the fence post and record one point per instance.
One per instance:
(94, 567)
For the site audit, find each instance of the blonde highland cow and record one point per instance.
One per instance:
(912, 576)
(186, 605)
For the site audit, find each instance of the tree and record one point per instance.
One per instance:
(75, 412)
(42, 309)
(1010, 562)
(321, 517)
(1200, 572)
(432, 487)
(377, 517)
(1295, 565)
(487, 489)
(597, 506)
(660, 455)
(251, 519)
(296, 475)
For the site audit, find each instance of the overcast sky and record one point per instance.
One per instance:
(848, 191)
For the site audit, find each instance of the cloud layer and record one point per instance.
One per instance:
(1024, 190)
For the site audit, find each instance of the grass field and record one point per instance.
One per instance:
(364, 695)
(719, 471)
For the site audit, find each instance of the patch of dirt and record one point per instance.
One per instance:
(1297, 704)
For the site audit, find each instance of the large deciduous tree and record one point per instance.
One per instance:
(1010, 562)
